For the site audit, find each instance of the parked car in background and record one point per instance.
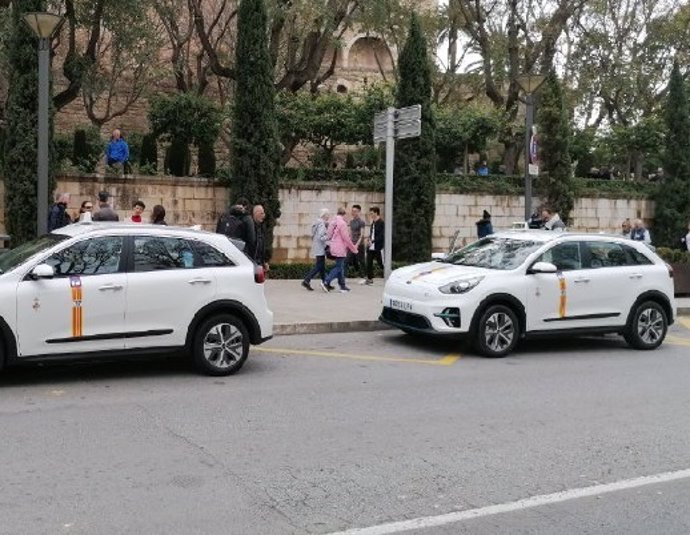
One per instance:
(522, 283)
(93, 290)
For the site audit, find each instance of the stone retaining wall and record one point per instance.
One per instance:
(192, 201)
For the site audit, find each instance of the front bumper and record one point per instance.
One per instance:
(432, 316)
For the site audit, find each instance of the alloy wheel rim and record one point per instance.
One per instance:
(650, 325)
(499, 332)
(223, 345)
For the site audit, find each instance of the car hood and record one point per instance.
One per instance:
(435, 273)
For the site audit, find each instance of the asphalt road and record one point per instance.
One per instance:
(327, 433)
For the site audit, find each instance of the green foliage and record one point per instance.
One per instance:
(134, 141)
(672, 256)
(148, 157)
(672, 209)
(255, 136)
(207, 160)
(178, 158)
(463, 130)
(554, 137)
(87, 149)
(415, 166)
(20, 146)
(63, 148)
(188, 117)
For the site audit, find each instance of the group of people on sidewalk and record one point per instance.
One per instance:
(59, 217)
(345, 242)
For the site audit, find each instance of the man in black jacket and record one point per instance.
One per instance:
(375, 243)
(58, 216)
(237, 223)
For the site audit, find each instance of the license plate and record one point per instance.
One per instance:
(401, 305)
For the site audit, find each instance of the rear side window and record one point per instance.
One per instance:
(161, 253)
(636, 257)
(209, 256)
(606, 254)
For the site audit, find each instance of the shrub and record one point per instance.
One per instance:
(178, 158)
(87, 149)
(207, 160)
(63, 149)
(148, 157)
(673, 256)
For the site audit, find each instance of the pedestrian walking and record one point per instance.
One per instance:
(58, 216)
(340, 243)
(357, 225)
(105, 211)
(640, 233)
(237, 223)
(319, 237)
(137, 209)
(484, 226)
(258, 248)
(158, 215)
(551, 220)
(375, 243)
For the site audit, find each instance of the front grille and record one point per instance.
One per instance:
(405, 319)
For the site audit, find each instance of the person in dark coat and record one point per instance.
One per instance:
(105, 211)
(58, 216)
(237, 223)
(484, 226)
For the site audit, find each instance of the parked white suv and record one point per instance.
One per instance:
(531, 282)
(92, 290)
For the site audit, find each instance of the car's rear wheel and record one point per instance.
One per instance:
(498, 331)
(221, 345)
(647, 326)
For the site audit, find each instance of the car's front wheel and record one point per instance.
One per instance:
(498, 331)
(647, 326)
(221, 345)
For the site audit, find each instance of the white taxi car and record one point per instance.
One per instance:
(92, 290)
(522, 283)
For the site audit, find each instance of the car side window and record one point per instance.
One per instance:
(153, 253)
(209, 256)
(565, 256)
(94, 256)
(606, 254)
(635, 257)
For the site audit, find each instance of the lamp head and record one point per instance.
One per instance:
(43, 24)
(529, 83)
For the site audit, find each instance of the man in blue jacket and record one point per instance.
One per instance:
(117, 153)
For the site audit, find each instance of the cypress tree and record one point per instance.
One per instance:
(672, 208)
(255, 142)
(20, 146)
(148, 158)
(554, 136)
(414, 202)
(207, 160)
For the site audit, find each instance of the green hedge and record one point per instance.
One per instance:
(374, 180)
(673, 256)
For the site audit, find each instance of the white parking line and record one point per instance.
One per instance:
(526, 503)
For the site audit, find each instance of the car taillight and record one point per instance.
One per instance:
(259, 275)
(670, 270)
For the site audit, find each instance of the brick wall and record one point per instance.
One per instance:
(195, 201)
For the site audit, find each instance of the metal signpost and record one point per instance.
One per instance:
(390, 125)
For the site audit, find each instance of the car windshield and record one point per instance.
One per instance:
(494, 253)
(17, 256)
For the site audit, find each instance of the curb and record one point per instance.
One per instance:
(284, 329)
(683, 311)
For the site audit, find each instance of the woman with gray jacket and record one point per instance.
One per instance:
(319, 235)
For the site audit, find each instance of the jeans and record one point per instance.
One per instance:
(318, 269)
(337, 271)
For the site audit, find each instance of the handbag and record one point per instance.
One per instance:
(328, 252)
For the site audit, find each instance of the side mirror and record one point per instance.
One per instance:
(542, 267)
(42, 271)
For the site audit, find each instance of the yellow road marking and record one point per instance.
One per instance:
(684, 321)
(678, 341)
(448, 360)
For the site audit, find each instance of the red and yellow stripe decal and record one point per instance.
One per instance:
(564, 296)
(77, 318)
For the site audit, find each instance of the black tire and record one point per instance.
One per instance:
(497, 332)
(647, 326)
(220, 345)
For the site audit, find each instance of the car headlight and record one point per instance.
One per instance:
(460, 286)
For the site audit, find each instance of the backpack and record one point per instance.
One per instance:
(232, 226)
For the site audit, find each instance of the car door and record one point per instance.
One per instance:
(166, 287)
(82, 308)
(559, 300)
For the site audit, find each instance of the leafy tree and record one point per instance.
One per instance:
(415, 167)
(554, 136)
(672, 207)
(20, 146)
(255, 143)
(148, 159)
(87, 149)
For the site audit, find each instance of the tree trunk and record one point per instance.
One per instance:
(511, 155)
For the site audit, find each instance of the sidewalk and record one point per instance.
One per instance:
(298, 311)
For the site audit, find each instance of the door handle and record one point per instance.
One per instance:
(636, 276)
(114, 287)
(582, 280)
(199, 281)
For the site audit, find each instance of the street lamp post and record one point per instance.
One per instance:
(529, 83)
(44, 25)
